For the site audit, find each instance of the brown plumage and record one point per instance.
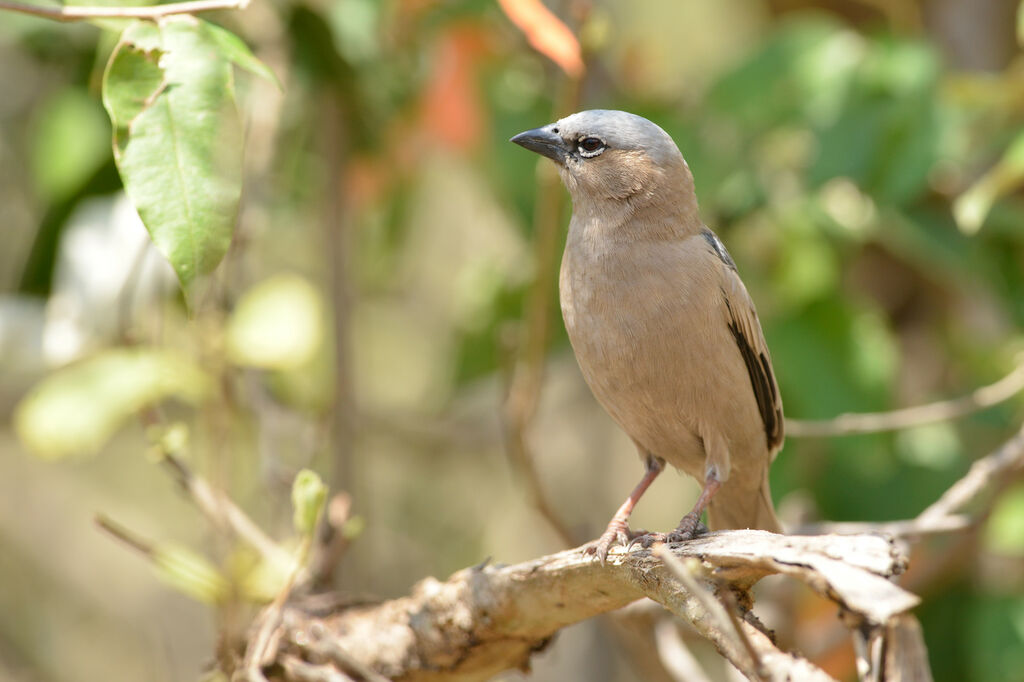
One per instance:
(664, 331)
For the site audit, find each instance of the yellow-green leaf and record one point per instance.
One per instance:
(972, 207)
(190, 573)
(71, 140)
(308, 496)
(260, 578)
(1004, 531)
(77, 408)
(234, 49)
(278, 324)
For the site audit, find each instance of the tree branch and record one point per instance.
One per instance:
(983, 473)
(725, 630)
(675, 655)
(872, 422)
(486, 619)
(71, 13)
(222, 512)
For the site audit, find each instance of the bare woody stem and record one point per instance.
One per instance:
(68, 13)
(487, 619)
(919, 415)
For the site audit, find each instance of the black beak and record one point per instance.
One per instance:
(544, 142)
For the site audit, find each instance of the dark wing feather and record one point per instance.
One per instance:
(746, 330)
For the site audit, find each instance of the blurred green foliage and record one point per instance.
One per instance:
(864, 172)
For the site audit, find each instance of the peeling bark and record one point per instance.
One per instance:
(487, 619)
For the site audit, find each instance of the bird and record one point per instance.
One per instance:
(663, 328)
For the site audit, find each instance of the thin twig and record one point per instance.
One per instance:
(268, 636)
(261, 649)
(212, 503)
(909, 528)
(223, 512)
(71, 13)
(299, 670)
(731, 605)
(264, 646)
(675, 655)
(985, 471)
(711, 605)
(862, 651)
(631, 629)
(873, 422)
(332, 540)
(124, 535)
(942, 515)
(953, 556)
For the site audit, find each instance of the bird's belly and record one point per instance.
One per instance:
(631, 354)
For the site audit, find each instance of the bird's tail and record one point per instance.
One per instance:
(738, 507)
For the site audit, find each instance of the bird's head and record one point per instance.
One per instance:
(612, 157)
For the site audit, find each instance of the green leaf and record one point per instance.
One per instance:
(801, 72)
(308, 496)
(133, 77)
(355, 26)
(177, 140)
(278, 324)
(935, 446)
(190, 573)
(78, 408)
(353, 528)
(260, 578)
(1004, 531)
(70, 143)
(993, 632)
(808, 267)
(234, 49)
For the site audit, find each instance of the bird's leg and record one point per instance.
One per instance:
(690, 526)
(618, 528)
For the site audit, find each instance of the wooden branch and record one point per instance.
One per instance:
(719, 625)
(909, 529)
(222, 512)
(873, 422)
(73, 13)
(675, 655)
(982, 474)
(487, 619)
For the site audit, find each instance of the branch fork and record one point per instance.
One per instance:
(486, 619)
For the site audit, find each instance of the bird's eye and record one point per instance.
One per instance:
(590, 146)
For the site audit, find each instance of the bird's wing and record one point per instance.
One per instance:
(746, 330)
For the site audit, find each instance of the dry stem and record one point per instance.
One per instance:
(72, 13)
(872, 422)
(487, 619)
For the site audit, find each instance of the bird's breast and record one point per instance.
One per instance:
(641, 324)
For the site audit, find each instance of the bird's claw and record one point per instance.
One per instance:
(618, 533)
(688, 529)
(615, 534)
(650, 539)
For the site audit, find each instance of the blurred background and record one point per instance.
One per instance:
(861, 159)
